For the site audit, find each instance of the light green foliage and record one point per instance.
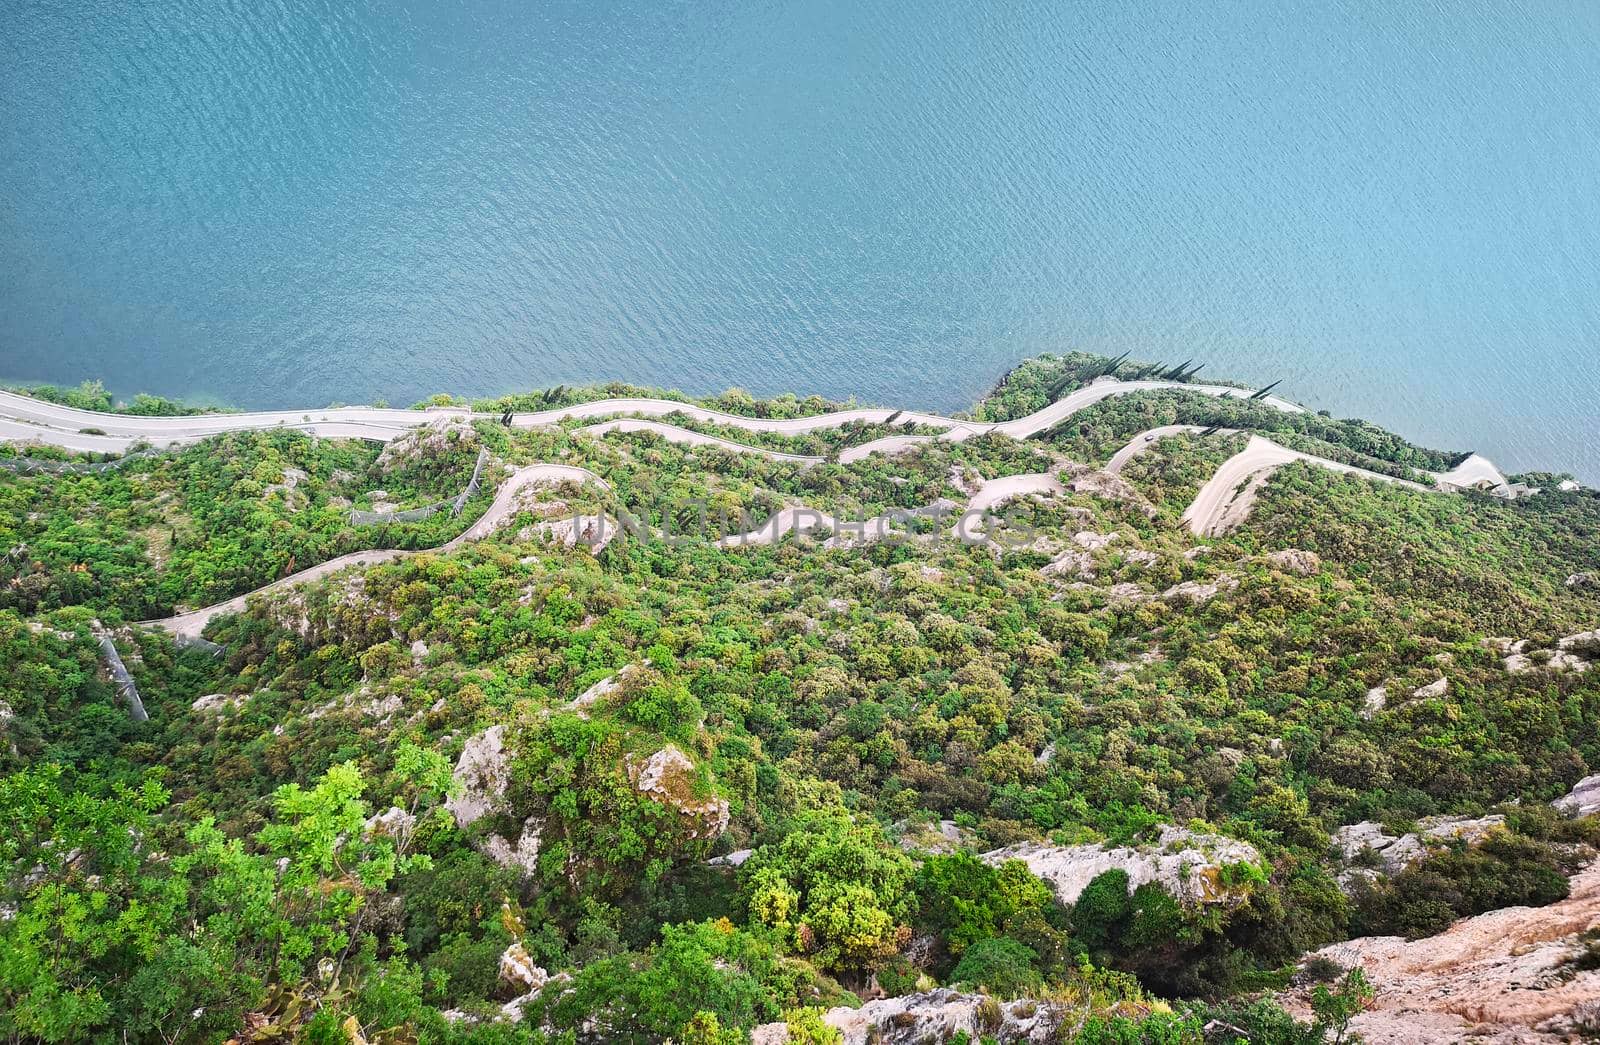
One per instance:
(120, 923)
(1334, 1006)
(835, 888)
(709, 975)
(966, 901)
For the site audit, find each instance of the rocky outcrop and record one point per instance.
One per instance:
(518, 972)
(943, 836)
(428, 442)
(482, 773)
(522, 854)
(1583, 799)
(1506, 977)
(937, 1015)
(1198, 593)
(393, 823)
(1091, 541)
(1574, 654)
(213, 703)
(668, 776)
(1437, 688)
(1295, 560)
(1589, 579)
(1584, 644)
(733, 859)
(1071, 563)
(1105, 486)
(1375, 853)
(1189, 865)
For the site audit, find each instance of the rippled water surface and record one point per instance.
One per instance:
(1394, 208)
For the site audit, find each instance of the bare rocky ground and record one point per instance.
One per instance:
(1503, 977)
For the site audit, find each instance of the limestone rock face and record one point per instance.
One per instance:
(1574, 654)
(1498, 977)
(942, 837)
(518, 972)
(1294, 560)
(1107, 487)
(1388, 855)
(1071, 563)
(733, 859)
(1587, 579)
(600, 690)
(1583, 799)
(1198, 593)
(214, 702)
(1185, 863)
(1438, 688)
(483, 770)
(393, 822)
(523, 854)
(668, 777)
(1094, 542)
(937, 1015)
(1377, 699)
(1584, 644)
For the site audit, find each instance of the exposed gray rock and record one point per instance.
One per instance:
(1376, 700)
(518, 971)
(1470, 830)
(1184, 862)
(1198, 593)
(1437, 688)
(214, 702)
(733, 859)
(1389, 854)
(427, 442)
(1583, 799)
(934, 1016)
(1071, 563)
(393, 822)
(1295, 560)
(1092, 541)
(1128, 592)
(483, 770)
(521, 855)
(1585, 644)
(668, 777)
(941, 837)
(600, 690)
(1586, 579)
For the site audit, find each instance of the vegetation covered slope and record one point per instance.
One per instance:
(282, 850)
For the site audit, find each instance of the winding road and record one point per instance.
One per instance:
(1221, 503)
(1227, 497)
(24, 418)
(190, 625)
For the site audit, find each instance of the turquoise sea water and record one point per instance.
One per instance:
(1393, 208)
